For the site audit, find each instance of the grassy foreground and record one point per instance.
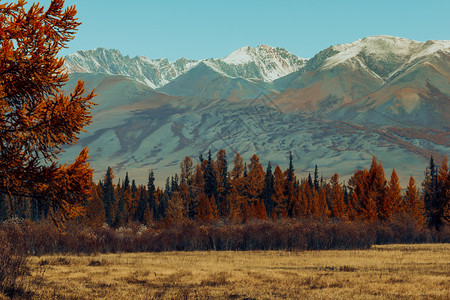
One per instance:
(392, 271)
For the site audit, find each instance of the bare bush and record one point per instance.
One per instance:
(13, 260)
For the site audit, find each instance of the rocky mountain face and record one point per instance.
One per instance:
(382, 95)
(263, 63)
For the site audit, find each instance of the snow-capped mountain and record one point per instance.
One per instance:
(263, 63)
(382, 95)
(154, 73)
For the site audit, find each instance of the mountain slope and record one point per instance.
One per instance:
(382, 96)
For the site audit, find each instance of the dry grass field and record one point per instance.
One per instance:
(392, 271)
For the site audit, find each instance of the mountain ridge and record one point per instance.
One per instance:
(380, 95)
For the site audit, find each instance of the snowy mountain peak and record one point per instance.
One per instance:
(383, 55)
(239, 56)
(263, 63)
(271, 63)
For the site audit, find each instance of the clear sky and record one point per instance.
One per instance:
(211, 29)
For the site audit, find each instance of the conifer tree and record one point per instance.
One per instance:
(95, 209)
(210, 179)
(204, 210)
(120, 214)
(255, 180)
(142, 205)
(394, 201)
(413, 204)
(37, 118)
(151, 192)
(316, 179)
(338, 207)
(279, 196)
(268, 190)
(109, 199)
(176, 213)
(221, 170)
(3, 208)
(430, 196)
(377, 188)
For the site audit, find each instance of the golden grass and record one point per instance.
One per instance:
(393, 271)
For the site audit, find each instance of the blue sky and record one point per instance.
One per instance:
(206, 28)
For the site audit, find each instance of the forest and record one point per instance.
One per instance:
(209, 206)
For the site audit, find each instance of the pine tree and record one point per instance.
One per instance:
(142, 204)
(120, 215)
(290, 187)
(310, 181)
(268, 190)
(279, 196)
(151, 192)
(430, 196)
(3, 208)
(442, 208)
(221, 170)
(210, 179)
(109, 199)
(316, 179)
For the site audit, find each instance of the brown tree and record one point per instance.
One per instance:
(413, 203)
(278, 196)
(36, 118)
(394, 202)
(338, 207)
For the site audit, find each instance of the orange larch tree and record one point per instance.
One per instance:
(36, 118)
(338, 206)
(255, 180)
(394, 201)
(377, 189)
(413, 203)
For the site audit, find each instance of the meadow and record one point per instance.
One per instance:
(410, 271)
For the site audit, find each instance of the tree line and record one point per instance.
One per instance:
(210, 191)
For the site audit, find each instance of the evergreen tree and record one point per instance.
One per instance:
(151, 192)
(3, 208)
(268, 190)
(222, 182)
(174, 184)
(210, 179)
(108, 196)
(279, 197)
(437, 194)
(142, 205)
(316, 179)
(120, 216)
(290, 172)
(310, 181)
(133, 189)
(430, 196)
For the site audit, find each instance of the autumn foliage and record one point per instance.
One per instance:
(36, 118)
